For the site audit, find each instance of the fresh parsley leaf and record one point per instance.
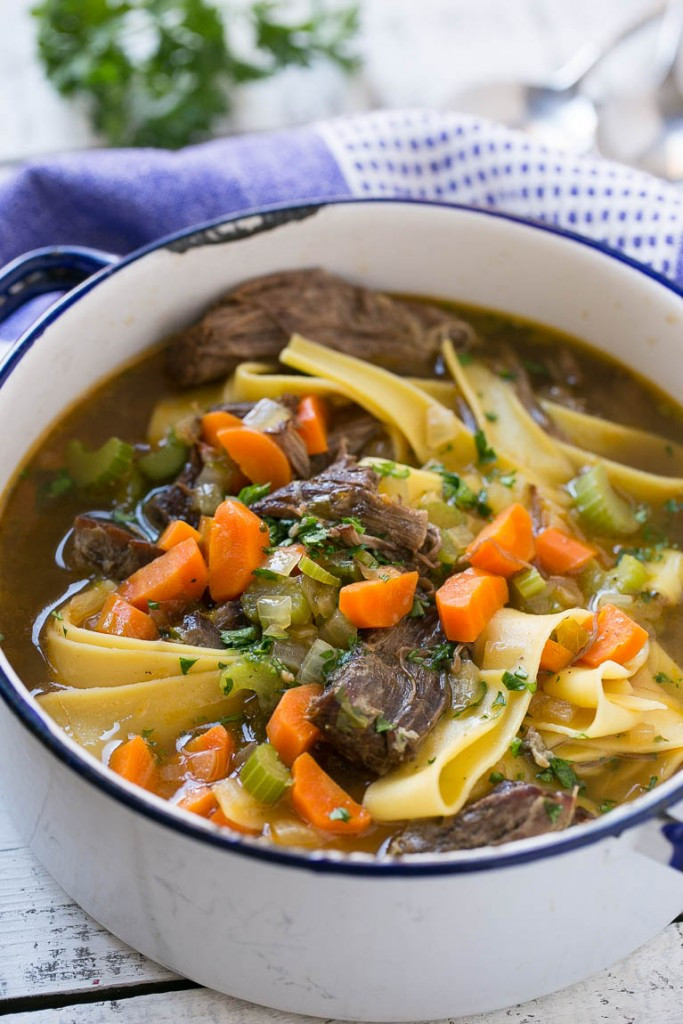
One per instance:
(153, 605)
(662, 677)
(240, 638)
(561, 771)
(457, 491)
(253, 492)
(419, 608)
(654, 779)
(660, 739)
(519, 680)
(606, 806)
(552, 809)
(496, 777)
(508, 479)
(382, 724)
(499, 701)
(436, 658)
(186, 664)
(339, 814)
(516, 746)
(484, 451)
(387, 468)
(354, 522)
(60, 484)
(491, 416)
(266, 574)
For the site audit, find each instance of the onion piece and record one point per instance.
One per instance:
(315, 662)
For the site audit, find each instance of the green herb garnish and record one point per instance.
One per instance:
(186, 664)
(253, 492)
(484, 451)
(339, 814)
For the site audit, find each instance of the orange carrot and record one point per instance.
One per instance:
(288, 729)
(373, 604)
(209, 754)
(311, 423)
(180, 573)
(506, 545)
(467, 601)
(257, 455)
(199, 801)
(236, 544)
(212, 422)
(554, 657)
(322, 803)
(618, 639)
(119, 618)
(204, 530)
(559, 553)
(135, 762)
(175, 532)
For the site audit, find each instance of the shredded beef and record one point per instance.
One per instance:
(101, 546)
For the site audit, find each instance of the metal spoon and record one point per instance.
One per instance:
(556, 113)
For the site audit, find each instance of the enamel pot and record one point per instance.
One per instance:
(328, 934)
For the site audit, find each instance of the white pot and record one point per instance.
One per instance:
(326, 934)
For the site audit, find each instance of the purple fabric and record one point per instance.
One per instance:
(118, 200)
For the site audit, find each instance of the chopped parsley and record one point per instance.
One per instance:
(339, 814)
(465, 358)
(484, 451)
(516, 746)
(654, 779)
(508, 479)
(462, 496)
(519, 680)
(253, 492)
(552, 809)
(419, 608)
(354, 522)
(662, 677)
(391, 469)
(60, 484)
(499, 701)
(153, 605)
(186, 664)
(561, 771)
(266, 574)
(240, 638)
(660, 739)
(382, 724)
(606, 806)
(437, 658)
(496, 777)
(491, 416)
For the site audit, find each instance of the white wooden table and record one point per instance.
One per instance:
(57, 966)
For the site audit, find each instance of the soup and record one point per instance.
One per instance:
(340, 569)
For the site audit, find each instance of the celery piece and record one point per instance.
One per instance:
(442, 514)
(165, 462)
(599, 504)
(630, 575)
(264, 775)
(528, 583)
(316, 572)
(261, 675)
(105, 465)
(281, 586)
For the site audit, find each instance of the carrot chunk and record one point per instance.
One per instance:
(311, 423)
(322, 803)
(180, 574)
(236, 544)
(217, 420)
(257, 455)
(467, 601)
(119, 618)
(135, 762)
(288, 729)
(373, 604)
(554, 657)
(559, 553)
(177, 531)
(618, 639)
(209, 754)
(199, 801)
(506, 545)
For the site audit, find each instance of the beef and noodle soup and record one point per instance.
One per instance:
(341, 569)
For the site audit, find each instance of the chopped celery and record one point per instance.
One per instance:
(528, 583)
(337, 630)
(264, 775)
(591, 579)
(262, 675)
(275, 612)
(599, 504)
(282, 586)
(453, 543)
(441, 513)
(164, 462)
(630, 575)
(107, 464)
(321, 597)
(316, 572)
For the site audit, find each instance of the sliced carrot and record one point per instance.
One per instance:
(467, 601)
(559, 553)
(177, 531)
(179, 574)
(199, 801)
(288, 729)
(506, 545)
(209, 754)
(322, 803)
(257, 455)
(119, 618)
(554, 657)
(135, 762)
(378, 603)
(618, 638)
(236, 544)
(204, 530)
(311, 423)
(212, 422)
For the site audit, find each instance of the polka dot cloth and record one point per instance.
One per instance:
(461, 159)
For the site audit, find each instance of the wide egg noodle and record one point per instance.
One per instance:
(460, 750)
(85, 658)
(430, 428)
(165, 707)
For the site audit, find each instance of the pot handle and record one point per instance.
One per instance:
(52, 269)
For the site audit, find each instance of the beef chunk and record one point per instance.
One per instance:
(513, 810)
(176, 500)
(347, 489)
(102, 547)
(229, 615)
(378, 707)
(352, 430)
(256, 319)
(198, 630)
